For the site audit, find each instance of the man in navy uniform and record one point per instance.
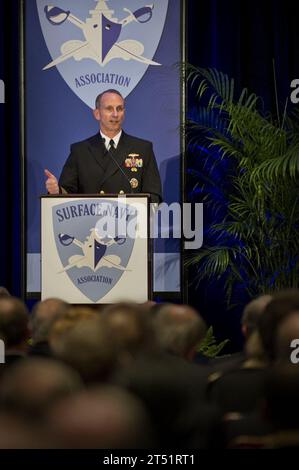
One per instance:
(111, 161)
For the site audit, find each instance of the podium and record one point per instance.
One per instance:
(96, 248)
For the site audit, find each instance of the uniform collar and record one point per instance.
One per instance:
(107, 139)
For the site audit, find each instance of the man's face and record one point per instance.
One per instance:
(110, 114)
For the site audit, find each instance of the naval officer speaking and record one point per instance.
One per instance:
(111, 161)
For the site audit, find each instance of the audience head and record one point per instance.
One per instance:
(282, 304)
(4, 292)
(287, 331)
(30, 386)
(14, 317)
(252, 312)
(86, 345)
(62, 325)
(131, 328)
(42, 317)
(104, 418)
(179, 329)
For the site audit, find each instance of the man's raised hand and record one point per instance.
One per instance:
(51, 183)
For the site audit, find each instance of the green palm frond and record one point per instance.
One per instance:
(256, 245)
(209, 346)
(283, 166)
(215, 259)
(226, 147)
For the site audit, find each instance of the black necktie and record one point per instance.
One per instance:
(109, 153)
(111, 146)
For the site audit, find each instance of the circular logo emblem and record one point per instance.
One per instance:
(134, 183)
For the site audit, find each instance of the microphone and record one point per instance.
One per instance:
(111, 152)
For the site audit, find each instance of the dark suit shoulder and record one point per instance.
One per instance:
(86, 142)
(136, 140)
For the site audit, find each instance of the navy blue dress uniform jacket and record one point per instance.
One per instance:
(87, 170)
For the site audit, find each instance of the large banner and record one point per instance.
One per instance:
(74, 50)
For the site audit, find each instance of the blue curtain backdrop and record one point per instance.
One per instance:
(10, 192)
(239, 38)
(242, 38)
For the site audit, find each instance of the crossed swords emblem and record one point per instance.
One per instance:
(94, 252)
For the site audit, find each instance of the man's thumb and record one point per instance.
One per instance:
(49, 174)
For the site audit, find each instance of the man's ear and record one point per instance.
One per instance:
(244, 330)
(96, 114)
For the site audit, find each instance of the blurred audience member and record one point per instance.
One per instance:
(87, 345)
(282, 304)
(4, 292)
(252, 345)
(104, 418)
(32, 385)
(132, 330)
(179, 330)
(14, 329)
(287, 331)
(42, 317)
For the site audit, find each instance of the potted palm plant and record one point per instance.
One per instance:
(245, 166)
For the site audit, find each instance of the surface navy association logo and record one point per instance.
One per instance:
(109, 44)
(92, 253)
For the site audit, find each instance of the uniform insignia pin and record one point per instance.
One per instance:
(134, 183)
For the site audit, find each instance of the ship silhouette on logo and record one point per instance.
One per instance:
(94, 250)
(101, 32)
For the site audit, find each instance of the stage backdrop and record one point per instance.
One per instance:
(70, 57)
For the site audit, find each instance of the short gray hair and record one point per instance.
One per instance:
(99, 97)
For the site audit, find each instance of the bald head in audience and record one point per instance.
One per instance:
(131, 327)
(179, 329)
